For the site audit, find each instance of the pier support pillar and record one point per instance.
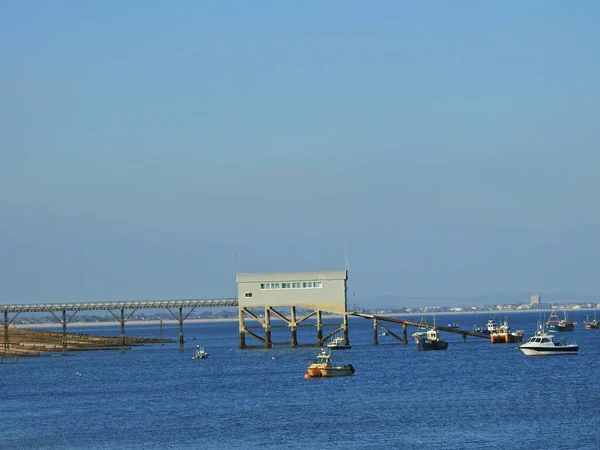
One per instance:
(375, 341)
(319, 329)
(268, 342)
(64, 330)
(464, 336)
(242, 342)
(122, 329)
(346, 337)
(181, 338)
(404, 327)
(294, 342)
(6, 330)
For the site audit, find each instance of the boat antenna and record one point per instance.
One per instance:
(346, 262)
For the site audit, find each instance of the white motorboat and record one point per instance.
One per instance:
(338, 343)
(200, 353)
(542, 344)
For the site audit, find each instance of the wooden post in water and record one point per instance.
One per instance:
(162, 341)
(375, 341)
(5, 330)
(346, 338)
(242, 342)
(122, 329)
(268, 342)
(464, 335)
(404, 326)
(293, 327)
(64, 336)
(181, 338)
(319, 329)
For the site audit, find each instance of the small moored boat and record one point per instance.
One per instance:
(200, 353)
(543, 343)
(421, 331)
(430, 341)
(554, 323)
(323, 366)
(504, 335)
(489, 329)
(590, 324)
(338, 343)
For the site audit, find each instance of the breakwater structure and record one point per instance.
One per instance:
(24, 342)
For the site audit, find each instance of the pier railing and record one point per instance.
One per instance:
(378, 319)
(109, 306)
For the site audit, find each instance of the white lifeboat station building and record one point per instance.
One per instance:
(261, 296)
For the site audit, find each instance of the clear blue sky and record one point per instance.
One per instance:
(452, 146)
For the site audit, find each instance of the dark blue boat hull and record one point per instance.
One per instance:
(426, 344)
(558, 328)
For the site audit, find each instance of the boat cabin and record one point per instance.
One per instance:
(323, 358)
(539, 340)
(432, 335)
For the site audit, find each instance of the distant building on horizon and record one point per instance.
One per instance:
(535, 300)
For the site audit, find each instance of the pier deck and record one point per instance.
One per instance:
(420, 324)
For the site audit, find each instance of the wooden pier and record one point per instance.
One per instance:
(20, 343)
(65, 312)
(406, 323)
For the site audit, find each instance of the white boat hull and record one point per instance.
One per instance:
(545, 351)
(339, 347)
(543, 344)
(338, 343)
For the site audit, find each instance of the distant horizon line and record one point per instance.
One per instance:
(374, 298)
(480, 296)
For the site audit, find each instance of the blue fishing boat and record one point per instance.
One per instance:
(491, 326)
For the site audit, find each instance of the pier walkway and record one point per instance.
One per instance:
(109, 306)
(129, 306)
(405, 323)
(65, 312)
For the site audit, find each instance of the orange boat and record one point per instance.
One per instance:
(324, 367)
(503, 335)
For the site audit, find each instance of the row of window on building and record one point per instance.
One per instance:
(294, 285)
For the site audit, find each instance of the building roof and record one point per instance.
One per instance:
(292, 276)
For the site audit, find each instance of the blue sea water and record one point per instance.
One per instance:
(473, 395)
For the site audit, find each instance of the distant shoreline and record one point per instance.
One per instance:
(235, 319)
(517, 311)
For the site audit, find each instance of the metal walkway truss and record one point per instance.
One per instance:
(122, 318)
